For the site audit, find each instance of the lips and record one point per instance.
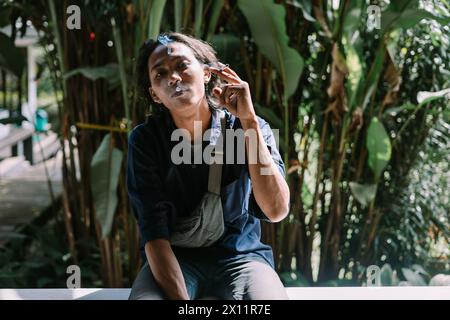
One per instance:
(177, 93)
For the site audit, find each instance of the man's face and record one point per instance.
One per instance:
(181, 69)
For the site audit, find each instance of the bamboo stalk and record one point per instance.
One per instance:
(302, 245)
(215, 14)
(268, 88)
(68, 226)
(66, 133)
(187, 9)
(100, 127)
(258, 75)
(178, 8)
(198, 18)
(123, 80)
(313, 219)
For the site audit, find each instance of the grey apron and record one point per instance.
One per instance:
(205, 224)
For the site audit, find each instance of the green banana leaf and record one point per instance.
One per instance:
(105, 170)
(379, 147)
(267, 24)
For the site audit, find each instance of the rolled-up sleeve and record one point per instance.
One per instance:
(151, 207)
(271, 144)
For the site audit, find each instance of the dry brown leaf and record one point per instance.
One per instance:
(393, 76)
(357, 120)
(130, 13)
(318, 13)
(336, 92)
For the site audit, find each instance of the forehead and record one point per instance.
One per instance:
(160, 56)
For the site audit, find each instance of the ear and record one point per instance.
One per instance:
(153, 95)
(206, 74)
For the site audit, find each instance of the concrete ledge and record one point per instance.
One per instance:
(303, 293)
(64, 294)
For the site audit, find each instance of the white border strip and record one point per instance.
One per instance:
(300, 293)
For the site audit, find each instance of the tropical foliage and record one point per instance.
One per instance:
(363, 114)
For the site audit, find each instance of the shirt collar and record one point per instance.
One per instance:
(215, 125)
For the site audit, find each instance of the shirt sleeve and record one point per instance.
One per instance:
(270, 141)
(153, 211)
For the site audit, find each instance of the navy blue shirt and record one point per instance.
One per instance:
(159, 190)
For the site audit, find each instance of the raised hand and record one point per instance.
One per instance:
(235, 95)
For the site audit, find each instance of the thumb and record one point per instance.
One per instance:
(217, 92)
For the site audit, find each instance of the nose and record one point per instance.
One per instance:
(174, 78)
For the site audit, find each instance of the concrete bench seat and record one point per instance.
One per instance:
(301, 293)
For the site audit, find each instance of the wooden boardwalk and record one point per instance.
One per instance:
(25, 194)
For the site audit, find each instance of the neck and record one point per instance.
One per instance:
(184, 119)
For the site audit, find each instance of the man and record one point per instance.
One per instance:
(183, 76)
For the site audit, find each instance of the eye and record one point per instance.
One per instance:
(159, 74)
(183, 65)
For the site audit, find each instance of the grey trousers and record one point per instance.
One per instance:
(238, 280)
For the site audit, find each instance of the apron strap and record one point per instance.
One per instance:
(215, 169)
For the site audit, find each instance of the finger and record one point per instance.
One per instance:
(221, 94)
(235, 86)
(217, 91)
(218, 94)
(232, 72)
(221, 65)
(226, 67)
(225, 75)
(230, 94)
(226, 95)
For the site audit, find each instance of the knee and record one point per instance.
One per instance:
(264, 283)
